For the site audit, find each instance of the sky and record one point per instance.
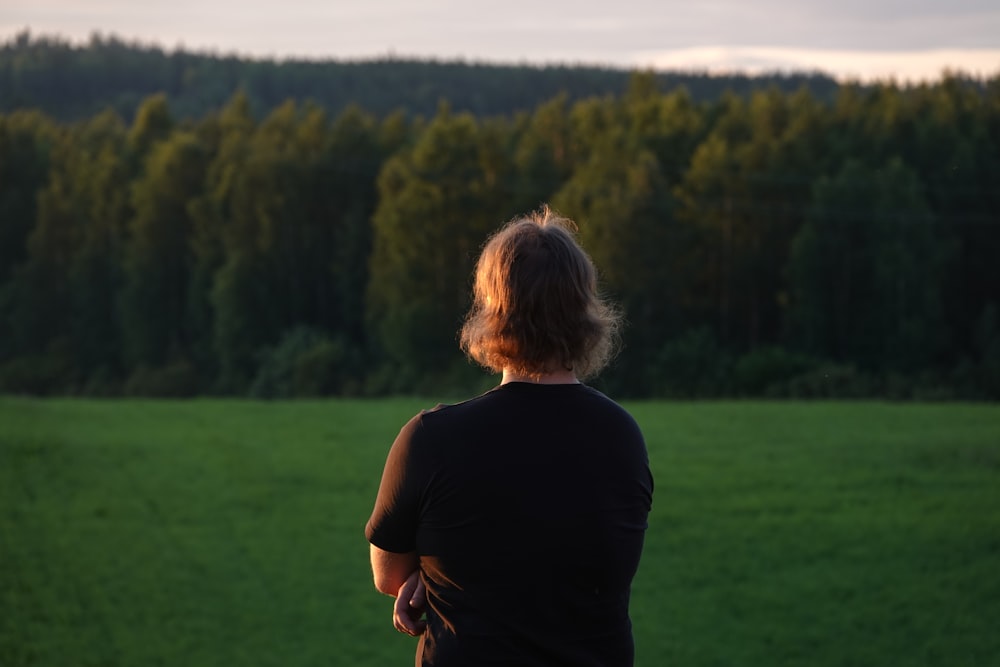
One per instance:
(866, 40)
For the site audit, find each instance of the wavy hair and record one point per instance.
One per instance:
(536, 307)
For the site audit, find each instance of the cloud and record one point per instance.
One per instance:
(925, 35)
(866, 66)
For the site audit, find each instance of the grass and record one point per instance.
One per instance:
(231, 532)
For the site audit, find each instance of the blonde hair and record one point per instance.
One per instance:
(536, 308)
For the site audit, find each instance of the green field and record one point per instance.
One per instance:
(231, 533)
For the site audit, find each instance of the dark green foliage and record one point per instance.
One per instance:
(763, 371)
(690, 365)
(437, 202)
(307, 362)
(829, 380)
(988, 348)
(157, 254)
(621, 201)
(72, 82)
(38, 373)
(765, 243)
(174, 379)
(25, 142)
(868, 266)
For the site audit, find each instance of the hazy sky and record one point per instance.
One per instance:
(908, 39)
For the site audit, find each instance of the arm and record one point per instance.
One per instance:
(389, 568)
(393, 523)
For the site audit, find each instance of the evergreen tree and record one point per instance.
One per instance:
(622, 203)
(436, 205)
(35, 301)
(867, 270)
(959, 164)
(296, 254)
(157, 255)
(153, 123)
(542, 157)
(25, 137)
(229, 133)
(256, 290)
(100, 178)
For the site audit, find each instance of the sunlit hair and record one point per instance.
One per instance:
(535, 306)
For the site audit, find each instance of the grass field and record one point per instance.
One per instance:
(231, 533)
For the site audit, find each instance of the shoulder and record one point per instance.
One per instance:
(430, 422)
(609, 406)
(447, 413)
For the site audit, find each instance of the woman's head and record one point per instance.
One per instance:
(535, 304)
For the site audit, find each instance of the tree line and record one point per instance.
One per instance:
(768, 244)
(73, 82)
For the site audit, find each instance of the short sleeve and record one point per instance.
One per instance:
(393, 523)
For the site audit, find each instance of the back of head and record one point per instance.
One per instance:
(535, 307)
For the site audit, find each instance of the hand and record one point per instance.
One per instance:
(409, 606)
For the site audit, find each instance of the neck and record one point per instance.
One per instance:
(555, 377)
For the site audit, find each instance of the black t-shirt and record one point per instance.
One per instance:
(527, 507)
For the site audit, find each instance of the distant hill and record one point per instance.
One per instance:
(70, 82)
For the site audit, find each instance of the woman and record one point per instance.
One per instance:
(516, 519)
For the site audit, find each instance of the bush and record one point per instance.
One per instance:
(36, 375)
(102, 382)
(767, 370)
(988, 342)
(51, 372)
(990, 372)
(177, 379)
(693, 365)
(832, 381)
(307, 362)
(459, 379)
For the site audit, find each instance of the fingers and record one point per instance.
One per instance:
(406, 619)
(409, 606)
(409, 587)
(419, 597)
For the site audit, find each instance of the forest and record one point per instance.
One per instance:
(768, 242)
(72, 82)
